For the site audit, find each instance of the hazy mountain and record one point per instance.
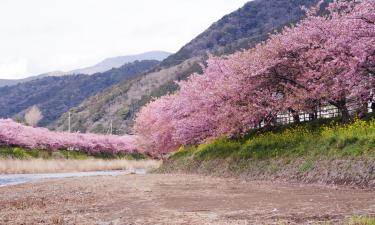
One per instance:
(105, 65)
(241, 29)
(10, 82)
(55, 95)
(116, 62)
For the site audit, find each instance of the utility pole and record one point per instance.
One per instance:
(111, 128)
(69, 126)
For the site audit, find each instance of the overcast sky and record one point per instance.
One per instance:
(38, 36)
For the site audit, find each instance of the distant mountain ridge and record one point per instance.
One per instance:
(10, 82)
(105, 65)
(118, 61)
(243, 28)
(55, 95)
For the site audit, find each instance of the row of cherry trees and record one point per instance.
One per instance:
(322, 60)
(15, 134)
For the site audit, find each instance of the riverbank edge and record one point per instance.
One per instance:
(355, 173)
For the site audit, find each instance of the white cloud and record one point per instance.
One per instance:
(17, 68)
(63, 35)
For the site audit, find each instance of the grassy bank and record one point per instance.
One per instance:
(361, 220)
(18, 160)
(319, 151)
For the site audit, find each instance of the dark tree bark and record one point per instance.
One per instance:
(341, 105)
(295, 115)
(162, 157)
(313, 116)
(363, 110)
(270, 121)
(345, 116)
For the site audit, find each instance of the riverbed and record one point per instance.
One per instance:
(178, 199)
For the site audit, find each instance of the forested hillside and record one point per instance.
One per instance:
(120, 102)
(56, 95)
(241, 29)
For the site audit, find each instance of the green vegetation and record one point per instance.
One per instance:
(355, 220)
(303, 152)
(320, 139)
(361, 220)
(21, 153)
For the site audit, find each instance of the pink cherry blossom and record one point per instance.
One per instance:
(322, 60)
(15, 134)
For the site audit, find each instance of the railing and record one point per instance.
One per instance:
(328, 111)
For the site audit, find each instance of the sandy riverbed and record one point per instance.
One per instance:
(177, 199)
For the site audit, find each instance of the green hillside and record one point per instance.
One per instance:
(56, 95)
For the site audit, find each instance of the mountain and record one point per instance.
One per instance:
(116, 62)
(241, 29)
(105, 65)
(120, 102)
(56, 95)
(10, 82)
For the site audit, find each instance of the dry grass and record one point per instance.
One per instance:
(17, 166)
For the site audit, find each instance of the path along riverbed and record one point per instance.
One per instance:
(178, 199)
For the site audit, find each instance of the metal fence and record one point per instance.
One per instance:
(328, 111)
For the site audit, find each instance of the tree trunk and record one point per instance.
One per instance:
(270, 121)
(164, 159)
(313, 116)
(295, 115)
(296, 118)
(343, 109)
(345, 116)
(363, 110)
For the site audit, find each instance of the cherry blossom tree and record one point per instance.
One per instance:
(16, 134)
(322, 60)
(33, 116)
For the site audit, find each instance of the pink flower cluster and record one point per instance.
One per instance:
(322, 60)
(15, 134)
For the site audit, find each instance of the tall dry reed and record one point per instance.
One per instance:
(12, 166)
